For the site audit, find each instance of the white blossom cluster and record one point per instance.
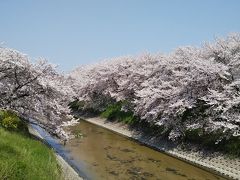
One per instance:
(35, 91)
(187, 89)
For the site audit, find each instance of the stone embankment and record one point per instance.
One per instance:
(215, 162)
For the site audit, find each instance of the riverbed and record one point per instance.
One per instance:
(107, 155)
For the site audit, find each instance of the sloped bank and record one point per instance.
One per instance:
(215, 162)
(21, 156)
(70, 172)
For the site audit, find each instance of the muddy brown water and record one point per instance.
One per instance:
(107, 155)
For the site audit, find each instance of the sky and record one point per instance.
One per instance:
(70, 33)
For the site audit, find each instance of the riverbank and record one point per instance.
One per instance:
(68, 173)
(22, 157)
(215, 162)
(25, 152)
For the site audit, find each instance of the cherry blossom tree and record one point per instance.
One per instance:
(190, 88)
(186, 89)
(36, 91)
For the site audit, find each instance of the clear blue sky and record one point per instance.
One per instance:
(73, 32)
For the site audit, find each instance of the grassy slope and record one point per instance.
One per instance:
(22, 157)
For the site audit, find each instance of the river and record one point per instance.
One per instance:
(107, 155)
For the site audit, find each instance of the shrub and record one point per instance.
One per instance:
(76, 105)
(11, 121)
(111, 111)
(115, 112)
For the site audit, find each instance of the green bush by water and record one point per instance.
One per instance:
(10, 121)
(115, 112)
(76, 105)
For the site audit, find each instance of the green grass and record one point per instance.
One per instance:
(21, 156)
(114, 112)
